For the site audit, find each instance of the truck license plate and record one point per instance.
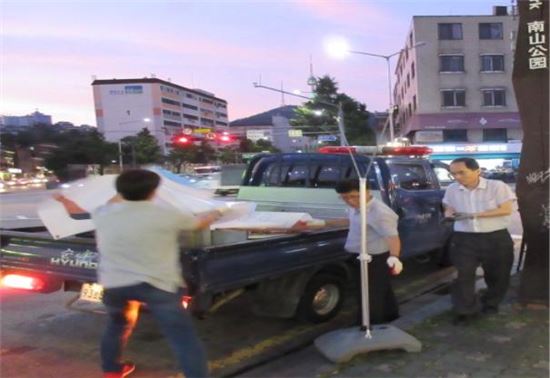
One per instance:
(91, 292)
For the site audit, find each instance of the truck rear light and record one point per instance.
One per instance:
(17, 281)
(186, 301)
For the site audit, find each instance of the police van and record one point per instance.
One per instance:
(403, 177)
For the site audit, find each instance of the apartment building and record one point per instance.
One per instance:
(125, 106)
(454, 83)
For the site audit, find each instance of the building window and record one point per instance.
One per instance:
(495, 135)
(169, 113)
(170, 123)
(412, 70)
(187, 106)
(414, 102)
(449, 31)
(490, 30)
(457, 135)
(169, 102)
(451, 63)
(453, 97)
(133, 89)
(408, 80)
(207, 122)
(492, 63)
(411, 39)
(494, 97)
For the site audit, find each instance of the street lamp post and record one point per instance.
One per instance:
(120, 161)
(339, 48)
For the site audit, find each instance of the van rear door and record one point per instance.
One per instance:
(417, 200)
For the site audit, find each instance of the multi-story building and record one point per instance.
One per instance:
(32, 119)
(126, 106)
(454, 84)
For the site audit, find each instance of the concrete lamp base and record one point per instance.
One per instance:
(344, 344)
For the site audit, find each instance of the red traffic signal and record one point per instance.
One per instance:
(182, 140)
(225, 137)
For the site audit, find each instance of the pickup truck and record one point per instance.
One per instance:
(288, 275)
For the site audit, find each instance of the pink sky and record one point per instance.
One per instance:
(51, 49)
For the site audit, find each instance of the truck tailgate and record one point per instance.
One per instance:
(67, 259)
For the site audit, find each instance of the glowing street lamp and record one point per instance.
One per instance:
(339, 48)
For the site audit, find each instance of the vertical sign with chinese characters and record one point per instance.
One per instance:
(538, 53)
(530, 79)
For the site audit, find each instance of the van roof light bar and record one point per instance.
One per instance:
(414, 150)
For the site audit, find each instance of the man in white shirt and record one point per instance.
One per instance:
(481, 209)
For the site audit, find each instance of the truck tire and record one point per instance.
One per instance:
(322, 298)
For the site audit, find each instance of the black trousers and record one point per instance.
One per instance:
(494, 251)
(382, 303)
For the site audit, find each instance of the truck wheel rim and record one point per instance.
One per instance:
(326, 299)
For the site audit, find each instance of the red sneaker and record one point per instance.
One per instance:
(127, 369)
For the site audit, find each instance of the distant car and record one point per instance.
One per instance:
(206, 170)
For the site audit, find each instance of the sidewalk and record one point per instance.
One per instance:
(513, 343)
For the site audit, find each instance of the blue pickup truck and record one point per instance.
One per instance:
(288, 275)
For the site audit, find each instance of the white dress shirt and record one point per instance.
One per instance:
(382, 223)
(488, 195)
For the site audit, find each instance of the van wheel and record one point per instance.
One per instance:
(322, 298)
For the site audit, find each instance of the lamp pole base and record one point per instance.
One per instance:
(344, 344)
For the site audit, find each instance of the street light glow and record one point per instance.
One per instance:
(337, 47)
(147, 120)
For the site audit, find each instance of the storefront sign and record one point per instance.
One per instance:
(434, 136)
(295, 133)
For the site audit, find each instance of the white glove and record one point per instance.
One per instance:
(395, 265)
(367, 258)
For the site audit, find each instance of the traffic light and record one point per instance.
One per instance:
(182, 140)
(225, 137)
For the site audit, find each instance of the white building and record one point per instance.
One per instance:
(455, 87)
(125, 106)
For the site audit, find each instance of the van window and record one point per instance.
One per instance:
(351, 174)
(410, 176)
(294, 175)
(444, 176)
(325, 171)
(271, 175)
(325, 176)
(265, 172)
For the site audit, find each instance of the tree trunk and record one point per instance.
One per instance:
(531, 88)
